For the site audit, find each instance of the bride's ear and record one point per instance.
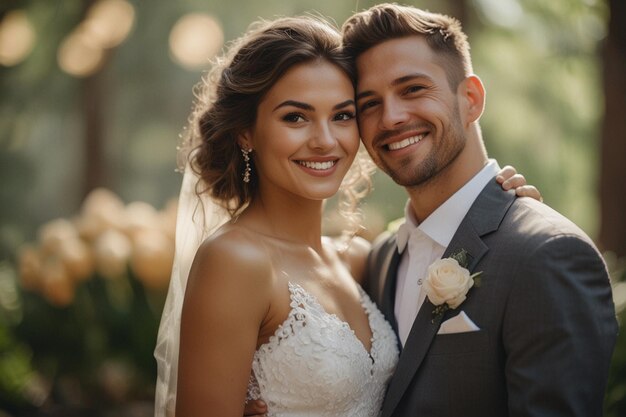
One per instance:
(244, 139)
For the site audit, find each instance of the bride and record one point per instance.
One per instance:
(272, 309)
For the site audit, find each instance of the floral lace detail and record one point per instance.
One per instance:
(315, 365)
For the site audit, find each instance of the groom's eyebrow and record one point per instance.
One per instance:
(362, 94)
(411, 77)
(397, 82)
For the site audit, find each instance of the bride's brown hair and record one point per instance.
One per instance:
(228, 98)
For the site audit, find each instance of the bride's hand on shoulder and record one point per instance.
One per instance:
(509, 179)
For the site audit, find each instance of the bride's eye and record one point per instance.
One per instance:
(344, 115)
(293, 118)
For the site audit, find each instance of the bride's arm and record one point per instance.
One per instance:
(226, 300)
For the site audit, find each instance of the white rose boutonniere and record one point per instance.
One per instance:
(448, 282)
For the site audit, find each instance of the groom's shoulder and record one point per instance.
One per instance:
(529, 220)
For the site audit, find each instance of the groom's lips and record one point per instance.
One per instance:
(400, 142)
(403, 143)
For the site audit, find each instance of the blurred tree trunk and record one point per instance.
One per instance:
(613, 152)
(93, 115)
(94, 164)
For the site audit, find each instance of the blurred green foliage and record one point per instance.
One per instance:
(95, 353)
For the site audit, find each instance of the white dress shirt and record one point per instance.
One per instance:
(427, 242)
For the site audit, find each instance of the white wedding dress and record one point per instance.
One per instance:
(314, 364)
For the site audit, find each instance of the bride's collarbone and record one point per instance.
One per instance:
(321, 274)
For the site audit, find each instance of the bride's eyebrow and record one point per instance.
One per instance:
(343, 104)
(294, 103)
(306, 106)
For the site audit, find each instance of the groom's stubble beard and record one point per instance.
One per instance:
(443, 153)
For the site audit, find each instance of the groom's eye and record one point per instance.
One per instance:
(414, 89)
(367, 105)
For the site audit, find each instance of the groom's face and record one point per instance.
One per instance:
(408, 115)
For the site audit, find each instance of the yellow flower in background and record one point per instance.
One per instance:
(152, 258)
(167, 219)
(140, 216)
(112, 250)
(29, 267)
(78, 258)
(54, 233)
(56, 285)
(106, 237)
(102, 210)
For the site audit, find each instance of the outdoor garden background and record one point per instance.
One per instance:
(93, 96)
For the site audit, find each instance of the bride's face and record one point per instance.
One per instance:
(305, 136)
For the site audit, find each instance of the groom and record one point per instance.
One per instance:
(536, 337)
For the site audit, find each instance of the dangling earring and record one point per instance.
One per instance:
(247, 169)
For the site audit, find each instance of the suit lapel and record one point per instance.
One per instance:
(412, 355)
(484, 217)
(387, 284)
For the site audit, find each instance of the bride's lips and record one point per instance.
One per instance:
(319, 167)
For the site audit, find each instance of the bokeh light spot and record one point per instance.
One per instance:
(194, 39)
(79, 56)
(17, 38)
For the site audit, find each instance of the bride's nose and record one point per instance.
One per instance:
(322, 138)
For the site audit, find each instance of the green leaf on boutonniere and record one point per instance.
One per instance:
(462, 257)
(478, 278)
(439, 311)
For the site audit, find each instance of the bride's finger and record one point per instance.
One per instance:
(505, 173)
(517, 180)
(529, 191)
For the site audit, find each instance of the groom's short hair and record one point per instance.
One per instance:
(384, 22)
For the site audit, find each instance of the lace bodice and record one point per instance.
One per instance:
(314, 365)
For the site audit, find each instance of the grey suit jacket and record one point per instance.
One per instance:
(545, 312)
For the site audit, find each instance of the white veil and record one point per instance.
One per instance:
(197, 218)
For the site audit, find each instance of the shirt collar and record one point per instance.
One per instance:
(442, 223)
(405, 229)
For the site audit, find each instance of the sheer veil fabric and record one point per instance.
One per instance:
(197, 218)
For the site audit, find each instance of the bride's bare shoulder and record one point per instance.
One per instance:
(232, 254)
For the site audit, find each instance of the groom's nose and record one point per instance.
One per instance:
(394, 114)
